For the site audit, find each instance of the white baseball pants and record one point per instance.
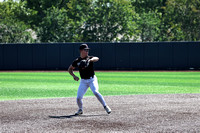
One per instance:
(84, 85)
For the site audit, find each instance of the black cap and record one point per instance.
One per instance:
(83, 46)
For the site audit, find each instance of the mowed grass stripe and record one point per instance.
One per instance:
(153, 82)
(28, 85)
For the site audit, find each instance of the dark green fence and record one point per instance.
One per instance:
(113, 56)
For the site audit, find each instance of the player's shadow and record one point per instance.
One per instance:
(63, 117)
(71, 116)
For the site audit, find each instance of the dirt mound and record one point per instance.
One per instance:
(134, 113)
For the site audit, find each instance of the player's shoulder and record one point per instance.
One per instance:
(76, 61)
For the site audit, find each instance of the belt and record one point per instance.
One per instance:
(89, 77)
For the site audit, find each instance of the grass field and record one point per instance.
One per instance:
(33, 85)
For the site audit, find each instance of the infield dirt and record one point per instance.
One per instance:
(134, 113)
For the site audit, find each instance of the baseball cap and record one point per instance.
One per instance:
(83, 46)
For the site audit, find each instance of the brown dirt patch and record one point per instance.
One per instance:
(134, 113)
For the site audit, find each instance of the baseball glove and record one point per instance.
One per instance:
(83, 64)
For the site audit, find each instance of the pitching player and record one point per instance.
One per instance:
(88, 78)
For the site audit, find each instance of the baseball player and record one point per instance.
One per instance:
(88, 78)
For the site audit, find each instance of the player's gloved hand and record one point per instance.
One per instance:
(84, 64)
(76, 78)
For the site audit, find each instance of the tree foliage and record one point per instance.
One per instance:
(64, 24)
(12, 30)
(148, 26)
(28, 21)
(108, 20)
(55, 26)
(185, 15)
(40, 7)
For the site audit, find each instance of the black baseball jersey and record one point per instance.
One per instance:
(87, 72)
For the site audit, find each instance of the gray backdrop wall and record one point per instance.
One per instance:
(113, 56)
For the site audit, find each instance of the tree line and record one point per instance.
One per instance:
(36, 21)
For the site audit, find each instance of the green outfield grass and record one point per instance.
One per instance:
(33, 85)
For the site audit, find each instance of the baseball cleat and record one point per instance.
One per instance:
(79, 112)
(107, 108)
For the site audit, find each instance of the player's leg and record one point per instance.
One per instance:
(95, 89)
(80, 93)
